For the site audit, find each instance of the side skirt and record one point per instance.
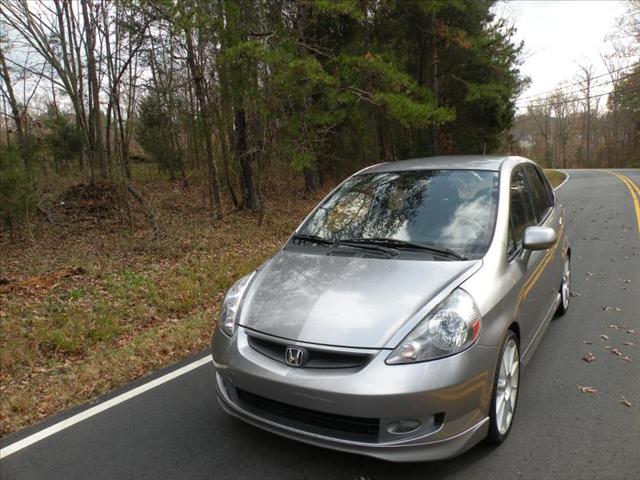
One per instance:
(528, 353)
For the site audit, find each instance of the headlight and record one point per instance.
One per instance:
(450, 328)
(231, 305)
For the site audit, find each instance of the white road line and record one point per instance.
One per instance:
(90, 412)
(565, 180)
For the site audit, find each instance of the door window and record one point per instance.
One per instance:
(521, 212)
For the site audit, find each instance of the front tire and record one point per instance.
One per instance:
(505, 390)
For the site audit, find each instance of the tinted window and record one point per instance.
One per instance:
(453, 209)
(512, 246)
(539, 194)
(521, 212)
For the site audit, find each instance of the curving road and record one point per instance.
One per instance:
(176, 430)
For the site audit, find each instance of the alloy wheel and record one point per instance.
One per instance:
(566, 284)
(507, 386)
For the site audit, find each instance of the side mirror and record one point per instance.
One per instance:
(539, 238)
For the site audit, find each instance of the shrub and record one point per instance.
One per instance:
(16, 197)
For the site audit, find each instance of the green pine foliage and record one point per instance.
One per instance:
(16, 197)
(367, 67)
(154, 123)
(63, 138)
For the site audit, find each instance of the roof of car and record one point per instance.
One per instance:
(449, 162)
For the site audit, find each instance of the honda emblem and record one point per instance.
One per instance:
(294, 356)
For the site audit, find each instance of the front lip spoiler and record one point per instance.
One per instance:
(399, 451)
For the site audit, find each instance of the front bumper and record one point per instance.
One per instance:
(449, 396)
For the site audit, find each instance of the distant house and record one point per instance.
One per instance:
(525, 141)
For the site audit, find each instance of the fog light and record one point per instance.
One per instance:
(403, 426)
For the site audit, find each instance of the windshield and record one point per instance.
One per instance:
(446, 209)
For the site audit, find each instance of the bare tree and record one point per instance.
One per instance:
(67, 43)
(10, 96)
(563, 108)
(585, 80)
(540, 111)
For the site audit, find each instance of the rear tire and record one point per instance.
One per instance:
(505, 390)
(565, 287)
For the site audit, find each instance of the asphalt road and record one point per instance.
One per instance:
(176, 430)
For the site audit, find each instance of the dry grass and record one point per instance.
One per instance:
(555, 177)
(91, 305)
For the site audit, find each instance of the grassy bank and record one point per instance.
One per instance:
(88, 304)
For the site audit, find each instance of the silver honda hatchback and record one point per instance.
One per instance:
(395, 320)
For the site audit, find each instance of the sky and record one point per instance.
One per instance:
(558, 36)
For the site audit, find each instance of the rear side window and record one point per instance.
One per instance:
(521, 213)
(547, 186)
(542, 202)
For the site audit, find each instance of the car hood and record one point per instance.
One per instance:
(332, 300)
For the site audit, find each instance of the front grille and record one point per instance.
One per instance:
(328, 424)
(315, 358)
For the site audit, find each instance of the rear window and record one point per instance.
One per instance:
(453, 209)
(542, 202)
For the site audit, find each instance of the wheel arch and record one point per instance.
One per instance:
(515, 328)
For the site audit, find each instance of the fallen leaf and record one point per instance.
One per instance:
(575, 294)
(589, 357)
(586, 389)
(604, 337)
(628, 344)
(617, 352)
(587, 342)
(627, 359)
(630, 330)
(614, 326)
(625, 402)
(607, 308)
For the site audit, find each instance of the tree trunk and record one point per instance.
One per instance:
(245, 160)
(198, 81)
(224, 148)
(310, 172)
(98, 134)
(15, 110)
(434, 81)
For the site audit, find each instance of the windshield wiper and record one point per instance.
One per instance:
(395, 243)
(314, 238)
(336, 243)
(366, 246)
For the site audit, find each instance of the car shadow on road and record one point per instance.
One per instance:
(278, 456)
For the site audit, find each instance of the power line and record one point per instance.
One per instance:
(542, 94)
(579, 99)
(559, 90)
